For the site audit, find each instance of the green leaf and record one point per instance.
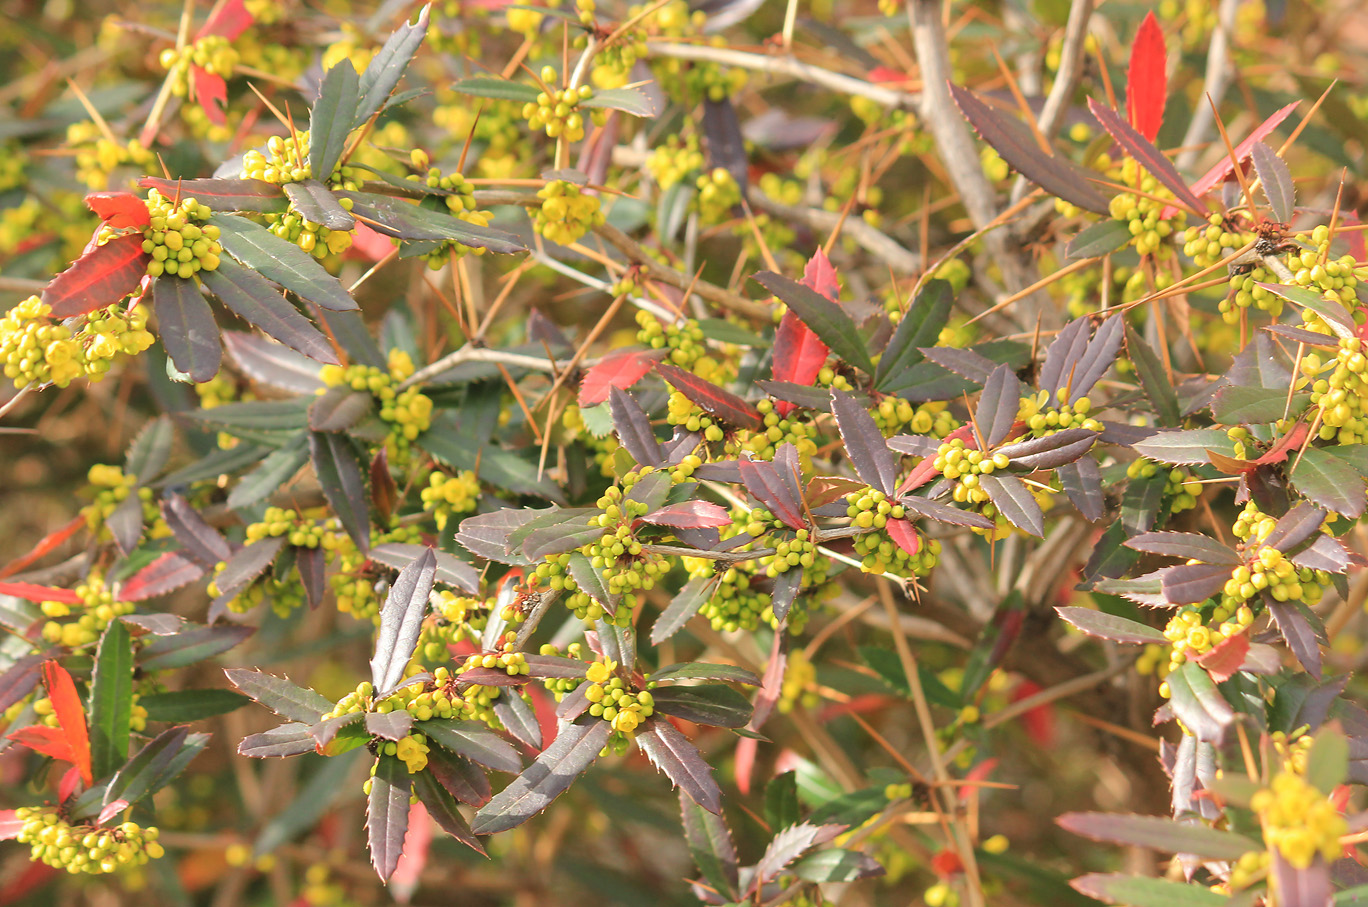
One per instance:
(186, 325)
(1329, 482)
(155, 765)
(401, 622)
(498, 89)
(332, 118)
(700, 671)
(1199, 704)
(273, 472)
(710, 844)
(281, 261)
(255, 300)
(184, 706)
(1153, 379)
(1141, 891)
(475, 741)
(150, 450)
(831, 323)
(387, 67)
(1101, 238)
(280, 695)
(781, 801)
(1327, 764)
(837, 865)
(628, 100)
(342, 473)
(111, 699)
(1239, 405)
(920, 326)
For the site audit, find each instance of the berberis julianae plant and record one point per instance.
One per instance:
(656, 444)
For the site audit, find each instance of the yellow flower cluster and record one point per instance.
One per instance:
(110, 487)
(214, 54)
(94, 611)
(1298, 820)
(36, 349)
(97, 155)
(447, 496)
(566, 213)
(409, 411)
(85, 848)
(175, 239)
(624, 709)
(557, 111)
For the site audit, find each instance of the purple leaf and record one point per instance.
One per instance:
(168, 572)
(944, 513)
(190, 646)
(965, 363)
(763, 481)
(1327, 554)
(19, 679)
(474, 741)
(634, 428)
(710, 704)
(712, 399)
(574, 750)
(1110, 626)
(672, 753)
(1295, 623)
(1192, 583)
(339, 408)
(186, 325)
(451, 570)
(1063, 358)
(1309, 887)
(1154, 380)
(1082, 481)
(1184, 448)
(401, 622)
(201, 541)
(1186, 545)
(1051, 451)
(519, 719)
(997, 406)
(287, 740)
(257, 196)
(1015, 502)
(864, 443)
(326, 730)
(726, 147)
(246, 565)
(487, 534)
(698, 671)
(1296, 527)
(387, 814)
(786, 588)
(272, 363)
(462, 779)
(279, 695)
(1014, 142)
(915, 445)
(1199, 705)
(389, 725)
(1146, 155)
(1330, 482)
(710, 844)
(827, 319)
(689, 515)
(1159, 833)
(1277, 182)
(441, 806)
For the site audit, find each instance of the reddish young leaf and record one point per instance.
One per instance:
(71, 780)
(119, 209)
(1224, 660)
(66, 705)
(798, 352)
(901, 531)
(110, 810)
(211, 92)
(48, 543)
(102, 276)
(1222, 168)
(169, 571)
(620, 368)
(710, 398)
(1278, 452)
(1147, 81)
(229, 20)
(689, 515)
(35, 593)
(10, 825)
(49, 741)
(923, 471)
(1146, 155)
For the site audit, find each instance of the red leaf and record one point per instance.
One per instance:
(71, 780)
(710, 398)
(66, 705)
(229, 20)
(99, 278)
(901, 531)
(819, 275)
(119, 209)
(404, 881)
(1278, 452)
(881, 75)
(368, 244)
(48, 544)
(9, 825)
(1225, 659)
(1039, 722)
(1225, 165)
(1147, 82)
(35, 593)
(111, 810)
(211, 92)
(923, 471)
(689, 515)
(743, 762)
(169, 571)
(798, 355)
(49, 741)
(947, 864)
(620, 369)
